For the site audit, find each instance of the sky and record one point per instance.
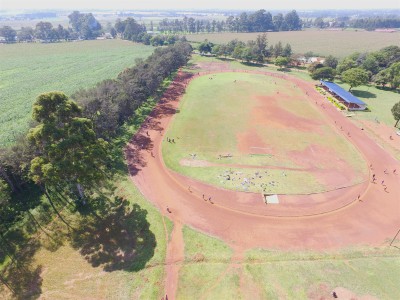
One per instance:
(197, 4)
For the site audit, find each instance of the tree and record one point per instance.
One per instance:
(396, 113)
(281, 61)
(68, 154)
(324, 73)
(331, 61)
(206, 47)
(345, 65)
(382, 78)
(293, 21)
(44, 31)
(355, 77)
(287, 51)
(8, 33)
(278, 49)
(85, 25)
(26, 34)
(394, 75)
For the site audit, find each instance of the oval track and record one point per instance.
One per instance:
(327, 220)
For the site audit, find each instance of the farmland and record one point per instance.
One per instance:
(30, 69)
(337, 43)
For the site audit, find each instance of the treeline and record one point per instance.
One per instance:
(380, 67)
(259, 21)
(67, 150)
(129, 29)
(368, 23)
(252, 51)
(375, 22)
(83, 27)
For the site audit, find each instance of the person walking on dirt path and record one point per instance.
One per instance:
(189, 189)
(147, 133)
(359, 196)
(385, 189)
(394, 171)
(168, 210)
(383, 182)
(386, 171)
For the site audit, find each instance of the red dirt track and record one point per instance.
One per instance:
(320, 221)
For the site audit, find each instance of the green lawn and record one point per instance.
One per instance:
(209, 273)
(206, 273)
(379, 101)
(322, 42)
(30, 69)
(217, 114)
(305, 275)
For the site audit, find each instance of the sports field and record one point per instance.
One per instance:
(321, 42)
(30, 69)
(258, 133)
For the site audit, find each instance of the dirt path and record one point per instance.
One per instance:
(175, 257)
(320, 221)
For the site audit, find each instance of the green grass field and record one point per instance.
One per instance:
(337, 43)
(30, 69)
(209, 273)
(260, 129)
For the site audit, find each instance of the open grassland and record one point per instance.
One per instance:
(30, 69)
(248, 127)
(209, 272)
(70, 270)
(322, 42)
(205, 273)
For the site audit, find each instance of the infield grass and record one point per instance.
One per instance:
(28, 70)
(241, 117)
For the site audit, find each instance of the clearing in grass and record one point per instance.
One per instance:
(253, 132)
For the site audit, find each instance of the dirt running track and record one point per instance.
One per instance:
(322, 221)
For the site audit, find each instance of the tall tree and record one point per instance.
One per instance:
(331, 62)
(396, 113)
(68, 154)
(293, 21)
(8, 33)
(355, 77)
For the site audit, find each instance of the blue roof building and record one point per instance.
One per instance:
(345, 97)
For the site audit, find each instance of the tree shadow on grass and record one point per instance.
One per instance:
(363, 94)
(22, 278)
(116, 237)
(252, 64)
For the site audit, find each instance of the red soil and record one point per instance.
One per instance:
(320, 221)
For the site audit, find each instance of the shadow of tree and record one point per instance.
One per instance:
(117, 236)
(252, 64)
(140, 141)
(363, 94)
(21, 278)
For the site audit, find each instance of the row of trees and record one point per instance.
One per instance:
(83, 26)
(129, 29)
(254, 50)
(67, 150)
(381, 67)
(259, 21)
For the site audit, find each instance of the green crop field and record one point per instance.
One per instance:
(322, 42)
(26, 70)
(241, 114)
